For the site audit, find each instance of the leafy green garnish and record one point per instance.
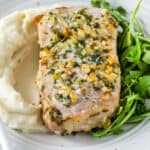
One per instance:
(146, 57)
(134, 55)
(143, 86)
(121, 10)
(100, 3)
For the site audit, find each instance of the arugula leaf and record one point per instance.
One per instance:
(137, 119)
(132, 54)
(143, 86)
(143, 67)
(135, 73)
(121, 10)
(96, 3)
(100, 3)
(146, 57)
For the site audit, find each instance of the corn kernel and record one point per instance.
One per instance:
(73, 97)
(66, 32)
(113, 76)
(88, 49)
(43, 61)
(93, 34)
(66, 90)
(84, 90)
(110, 26)
(95, 43)
(101, 67)
(111, 60)
(66, 70)
(87, 29)
(109, 69)
(108, 77)
(92, 77)
(70, 64)
(108, 42)
(85, 68)
(105, 96)
(81, 34)
(62, 65)
(73, 39)
(61, 45)
(46, 53)
(93, 66)
(56, 76)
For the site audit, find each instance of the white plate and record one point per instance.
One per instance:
(135, 138)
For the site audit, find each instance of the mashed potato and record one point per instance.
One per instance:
(19, 101)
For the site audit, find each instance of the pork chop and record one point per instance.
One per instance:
(79, 74)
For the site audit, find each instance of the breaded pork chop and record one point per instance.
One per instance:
(79, 75)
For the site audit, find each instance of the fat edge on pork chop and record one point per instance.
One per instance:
(79, 74)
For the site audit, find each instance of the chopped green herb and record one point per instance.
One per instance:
(96, 88)
(51, 71)
(64, 99)
(96, 57)
(68, 82)
(121, 10)
(56, 116)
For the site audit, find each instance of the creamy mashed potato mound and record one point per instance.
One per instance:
(19, 101)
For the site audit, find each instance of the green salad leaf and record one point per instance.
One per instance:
(143, 86)
(134, 55)
(146, 57)
(101, 3)
(121, 10)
